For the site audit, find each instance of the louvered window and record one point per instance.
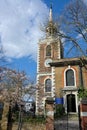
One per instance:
(48, 50)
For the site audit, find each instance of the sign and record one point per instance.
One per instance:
(59, 100)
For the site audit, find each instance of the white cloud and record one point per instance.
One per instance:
(85, 1)
(20, 26)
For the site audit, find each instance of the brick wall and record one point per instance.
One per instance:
(59, 77)
(83, 113)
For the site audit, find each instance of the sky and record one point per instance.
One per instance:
(20, 22)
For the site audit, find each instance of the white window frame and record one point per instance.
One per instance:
(45, 82)
(69, 68)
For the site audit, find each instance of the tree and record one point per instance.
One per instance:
(13, 86)
(72, 28)
(2, 56)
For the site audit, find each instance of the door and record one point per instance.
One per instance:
(71, 103)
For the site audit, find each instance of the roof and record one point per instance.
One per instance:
(69, 61)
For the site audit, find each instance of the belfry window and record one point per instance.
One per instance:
(48, 85)
(70, 78)
(48, 50)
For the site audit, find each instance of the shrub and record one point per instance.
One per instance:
(59, 111)
(82, 92)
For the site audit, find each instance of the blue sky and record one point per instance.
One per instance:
(20, 22)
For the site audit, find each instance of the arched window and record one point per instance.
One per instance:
(48, 50)
(70, 79)
(48, 85)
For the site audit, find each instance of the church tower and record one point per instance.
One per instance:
(49, 49)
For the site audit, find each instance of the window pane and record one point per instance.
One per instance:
(48, 85)
(70, 78)
(48, 50)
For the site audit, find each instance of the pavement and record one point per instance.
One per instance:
(67, 124)
(64, 125)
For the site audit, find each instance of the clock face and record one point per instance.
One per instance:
(47, 61)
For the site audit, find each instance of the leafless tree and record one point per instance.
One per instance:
(13, 86)
(72, 28)
(3, 58)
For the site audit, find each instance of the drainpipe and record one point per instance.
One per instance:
(81, 76)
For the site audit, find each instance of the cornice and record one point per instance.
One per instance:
(49, 39)
(69, 61)
(44, 74)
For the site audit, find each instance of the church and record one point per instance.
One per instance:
(58, 77)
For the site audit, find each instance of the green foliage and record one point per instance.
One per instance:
(36, 119)
(15, 116)
(82, 92)
(30, 119)
(59, 111)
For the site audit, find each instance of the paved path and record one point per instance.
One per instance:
(64, 125)
(67, 124)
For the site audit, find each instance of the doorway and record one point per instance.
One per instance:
(71, 103)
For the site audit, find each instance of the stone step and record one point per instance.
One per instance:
(73, 116)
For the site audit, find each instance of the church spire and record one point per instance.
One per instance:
(50, 14)
(51, 29)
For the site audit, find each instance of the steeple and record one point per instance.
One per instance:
(50, 14)
(51, 29)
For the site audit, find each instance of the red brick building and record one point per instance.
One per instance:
(57, 76)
